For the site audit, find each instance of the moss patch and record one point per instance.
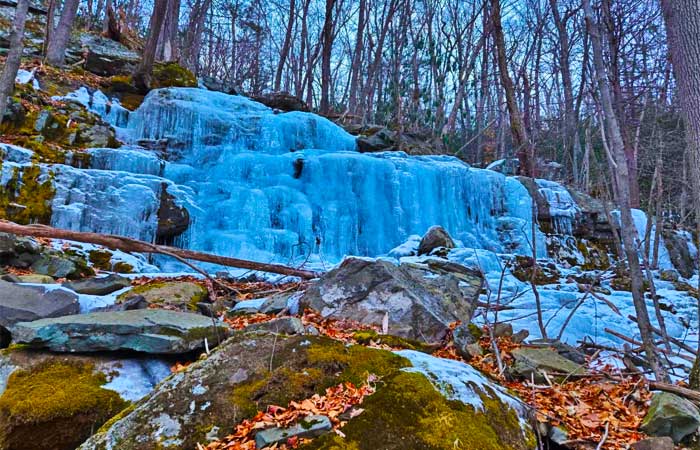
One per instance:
(407, 412)
(366, 337)
(25, 199)
(122, 267)
(54, 406)
(182, 294)
(322, 364)
(172, 75)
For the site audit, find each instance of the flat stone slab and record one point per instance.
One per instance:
(27, 303)
(310, 426)
(147, 330)
(99, 286)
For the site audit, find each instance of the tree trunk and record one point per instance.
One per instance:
(133, 245)
(9, 72)
(286, 46)
(521, 142)
(356, 70)
(142, 75)
(682, 19)
(167, 42)
(56, 49)
(621, 170)
(326, 54)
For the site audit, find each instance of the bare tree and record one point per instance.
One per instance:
(326, 54)
(521, 141)
(142, 75)
(682, 19)
(286, 46)
(58, 39)
(9, 72)
(622, 181)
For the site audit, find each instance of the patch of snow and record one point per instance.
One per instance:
(133, 379)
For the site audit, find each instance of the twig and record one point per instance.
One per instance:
(605, 436)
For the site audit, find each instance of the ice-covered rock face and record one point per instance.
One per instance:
(277, 187)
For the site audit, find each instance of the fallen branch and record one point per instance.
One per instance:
(133, 245)
(673, 340)
(690, 394)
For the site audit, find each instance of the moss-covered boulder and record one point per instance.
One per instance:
(171, 74)
(524, 267)
(184, 295)
(54, 405)
(251, 371)
(671, 415)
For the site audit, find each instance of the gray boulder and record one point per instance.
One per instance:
(538, 361)
(672, 416)
(420, 301)
(144, 330)
(436, 237)
(55, 266)
(27, 303)
(104, 56)
(678, 250)
(99, 286)
(654, 443)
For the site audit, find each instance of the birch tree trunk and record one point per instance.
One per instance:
(682, 19)
(56, 49)
(621, 171)
(9, 72)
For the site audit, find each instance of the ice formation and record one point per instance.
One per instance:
(277, 187)
(562, 207)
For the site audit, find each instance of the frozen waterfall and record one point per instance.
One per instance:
(280, 187)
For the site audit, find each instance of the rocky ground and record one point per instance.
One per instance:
(372, 355)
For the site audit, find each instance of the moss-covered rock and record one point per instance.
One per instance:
(215, 394)
(184, 295)
(251, 371)
(544, 273)
(172, 74)
(407, 412)
(54, 406)
(26, 197)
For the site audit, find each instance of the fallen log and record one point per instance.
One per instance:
(690, 394)
(134, 245)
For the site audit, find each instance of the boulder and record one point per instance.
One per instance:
(99, 286)
(672, 416)
(173, 220)
(419, 301)
(27, 303)
(677, 244)
(537, 361)
(104, 56)
(382, 140)
(183, 295)
(283, 325)
(670, 275)
(654, 443)
(250, 372)
(55, 266)
(282, 101)
(436, 237)
(145, 330)
(35, 278)
(55, 401)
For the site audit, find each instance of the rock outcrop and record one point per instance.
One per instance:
(145, 330)
(436, 237)
(250, 372)
(672, 416)
(28, 303)
(416, 301)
